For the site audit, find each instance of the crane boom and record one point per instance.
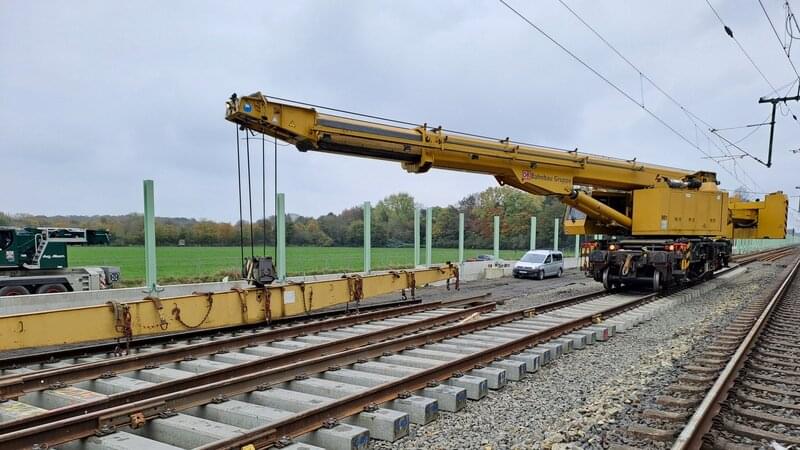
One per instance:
(651, 205)
(538, 170)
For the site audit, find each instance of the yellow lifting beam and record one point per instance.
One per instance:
(203, 310)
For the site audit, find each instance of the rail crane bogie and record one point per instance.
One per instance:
(660, 225)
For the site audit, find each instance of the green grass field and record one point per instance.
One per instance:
(193, 264)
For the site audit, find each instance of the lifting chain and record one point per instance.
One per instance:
(411, 282)
(355, 286)
(242, 293)
(162, 322)
(122, 324)
(176, 311)
(303, 297)
(267, 304)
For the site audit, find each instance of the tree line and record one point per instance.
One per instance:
(392, 224)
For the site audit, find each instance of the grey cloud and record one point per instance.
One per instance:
(109, 94)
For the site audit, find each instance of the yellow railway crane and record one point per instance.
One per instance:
(666, 225)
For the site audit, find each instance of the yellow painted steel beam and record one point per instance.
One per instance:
(203, 310)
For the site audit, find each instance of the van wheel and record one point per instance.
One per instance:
(540, 277)
(51, 288)
(13, 290)
(560, 272)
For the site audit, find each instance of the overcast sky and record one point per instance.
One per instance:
(96, 96)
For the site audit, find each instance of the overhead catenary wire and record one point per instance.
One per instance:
(755, 127)
(729, 32)
(615, 87)
(741, 127)
(775, 31)
(746, 136)
(791, 26)
(642, 76)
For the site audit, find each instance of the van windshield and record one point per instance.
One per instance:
(533, 258)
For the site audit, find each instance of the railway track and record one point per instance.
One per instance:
(468, 352)
(742, 391)
(754, 399)
(774, 254)
(376, 372)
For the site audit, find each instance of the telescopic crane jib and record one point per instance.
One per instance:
(673, 224)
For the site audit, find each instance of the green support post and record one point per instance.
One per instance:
(367, 237)
(280, 239)
(150, 238)
(533, 233)
(416, 236)
(429, 237)
(555, 235)
(496, 238)
(460, 238)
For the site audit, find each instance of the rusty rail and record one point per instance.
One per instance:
(765, 255)
(701, 421)
(238, 370)
(12, 386)
(181, 394)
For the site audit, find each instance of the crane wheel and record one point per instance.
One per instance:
(13, 290)
(656, 281)
(606, 282)
(51, 288)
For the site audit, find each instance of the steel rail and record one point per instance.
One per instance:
(12, 386)
(242, 369)
(265, 436)
(691, 436)
(750, 257)
(178, 395)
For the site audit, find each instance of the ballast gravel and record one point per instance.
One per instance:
(581, 400)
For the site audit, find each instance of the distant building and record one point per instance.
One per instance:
(181, 242)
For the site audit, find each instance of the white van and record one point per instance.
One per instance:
(540, 264)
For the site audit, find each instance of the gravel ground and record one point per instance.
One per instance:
(582, 399)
